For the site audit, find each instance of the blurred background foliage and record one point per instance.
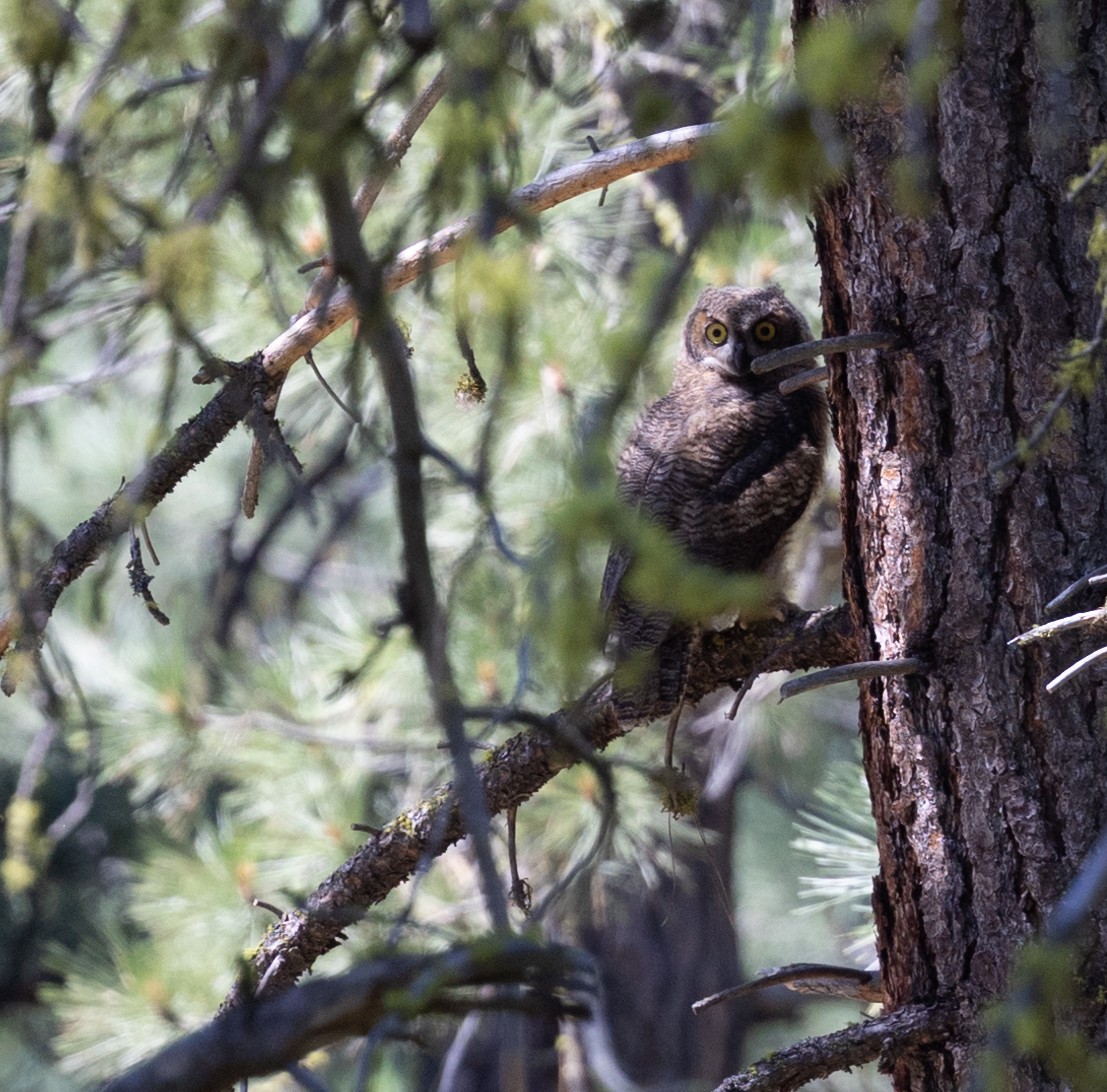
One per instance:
(157, 198)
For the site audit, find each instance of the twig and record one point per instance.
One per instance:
(141, 581)
(1072, 621)
(596, 151)
(189, 446)
(909, 1027)
(740, 695)
(1081, 184)
(868, 669)
(197, 439)
(823, 979)
(794, 354)
(1026, 447)
(1074, 587)
(1074, 669)
(62, 150)
(520, 888)
(809, 378)
(675, 146)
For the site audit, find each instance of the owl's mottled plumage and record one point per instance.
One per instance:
(724, 462)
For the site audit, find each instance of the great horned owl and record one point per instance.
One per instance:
(724, 463)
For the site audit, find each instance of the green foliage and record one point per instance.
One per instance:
(36, 31)
(179, 268)
(1038, 1020)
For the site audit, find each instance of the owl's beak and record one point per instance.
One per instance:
(728, 360)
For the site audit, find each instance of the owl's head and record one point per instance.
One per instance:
(730, 327)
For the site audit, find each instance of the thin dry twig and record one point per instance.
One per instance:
(1051, 629)
(1074, 669)
(675, 146)
(810, 378)
(1094, 577)
(823, 979)
(808, 350)
(189, 446)
(866, 669)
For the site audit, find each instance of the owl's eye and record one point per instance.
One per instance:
(716, 333)
(764, 331)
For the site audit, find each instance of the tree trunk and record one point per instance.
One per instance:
(987, 791)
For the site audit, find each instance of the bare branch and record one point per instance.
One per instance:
(808, 350)
(189, 446)
(907, 1028)
(809, 378)
(823, 979)
(676, 146)
(270, 1035)
(1074, 669)
(1089, 618)
(866, 669)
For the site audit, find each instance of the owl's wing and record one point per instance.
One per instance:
(643, 469)
(757, 492)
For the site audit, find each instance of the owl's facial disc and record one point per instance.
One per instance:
(723, 351)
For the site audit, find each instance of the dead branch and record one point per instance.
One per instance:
(270, 1035)
(819, 979)
(189, 446)
(909, 1027)
(444, 246)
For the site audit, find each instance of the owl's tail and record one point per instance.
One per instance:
(651, 653)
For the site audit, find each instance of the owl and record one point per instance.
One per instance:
(724, 463)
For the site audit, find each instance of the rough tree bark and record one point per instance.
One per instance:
(988, 792)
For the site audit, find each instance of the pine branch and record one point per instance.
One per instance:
(189, 446)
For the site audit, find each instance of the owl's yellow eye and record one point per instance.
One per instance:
(765, 331)
(715, 332)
